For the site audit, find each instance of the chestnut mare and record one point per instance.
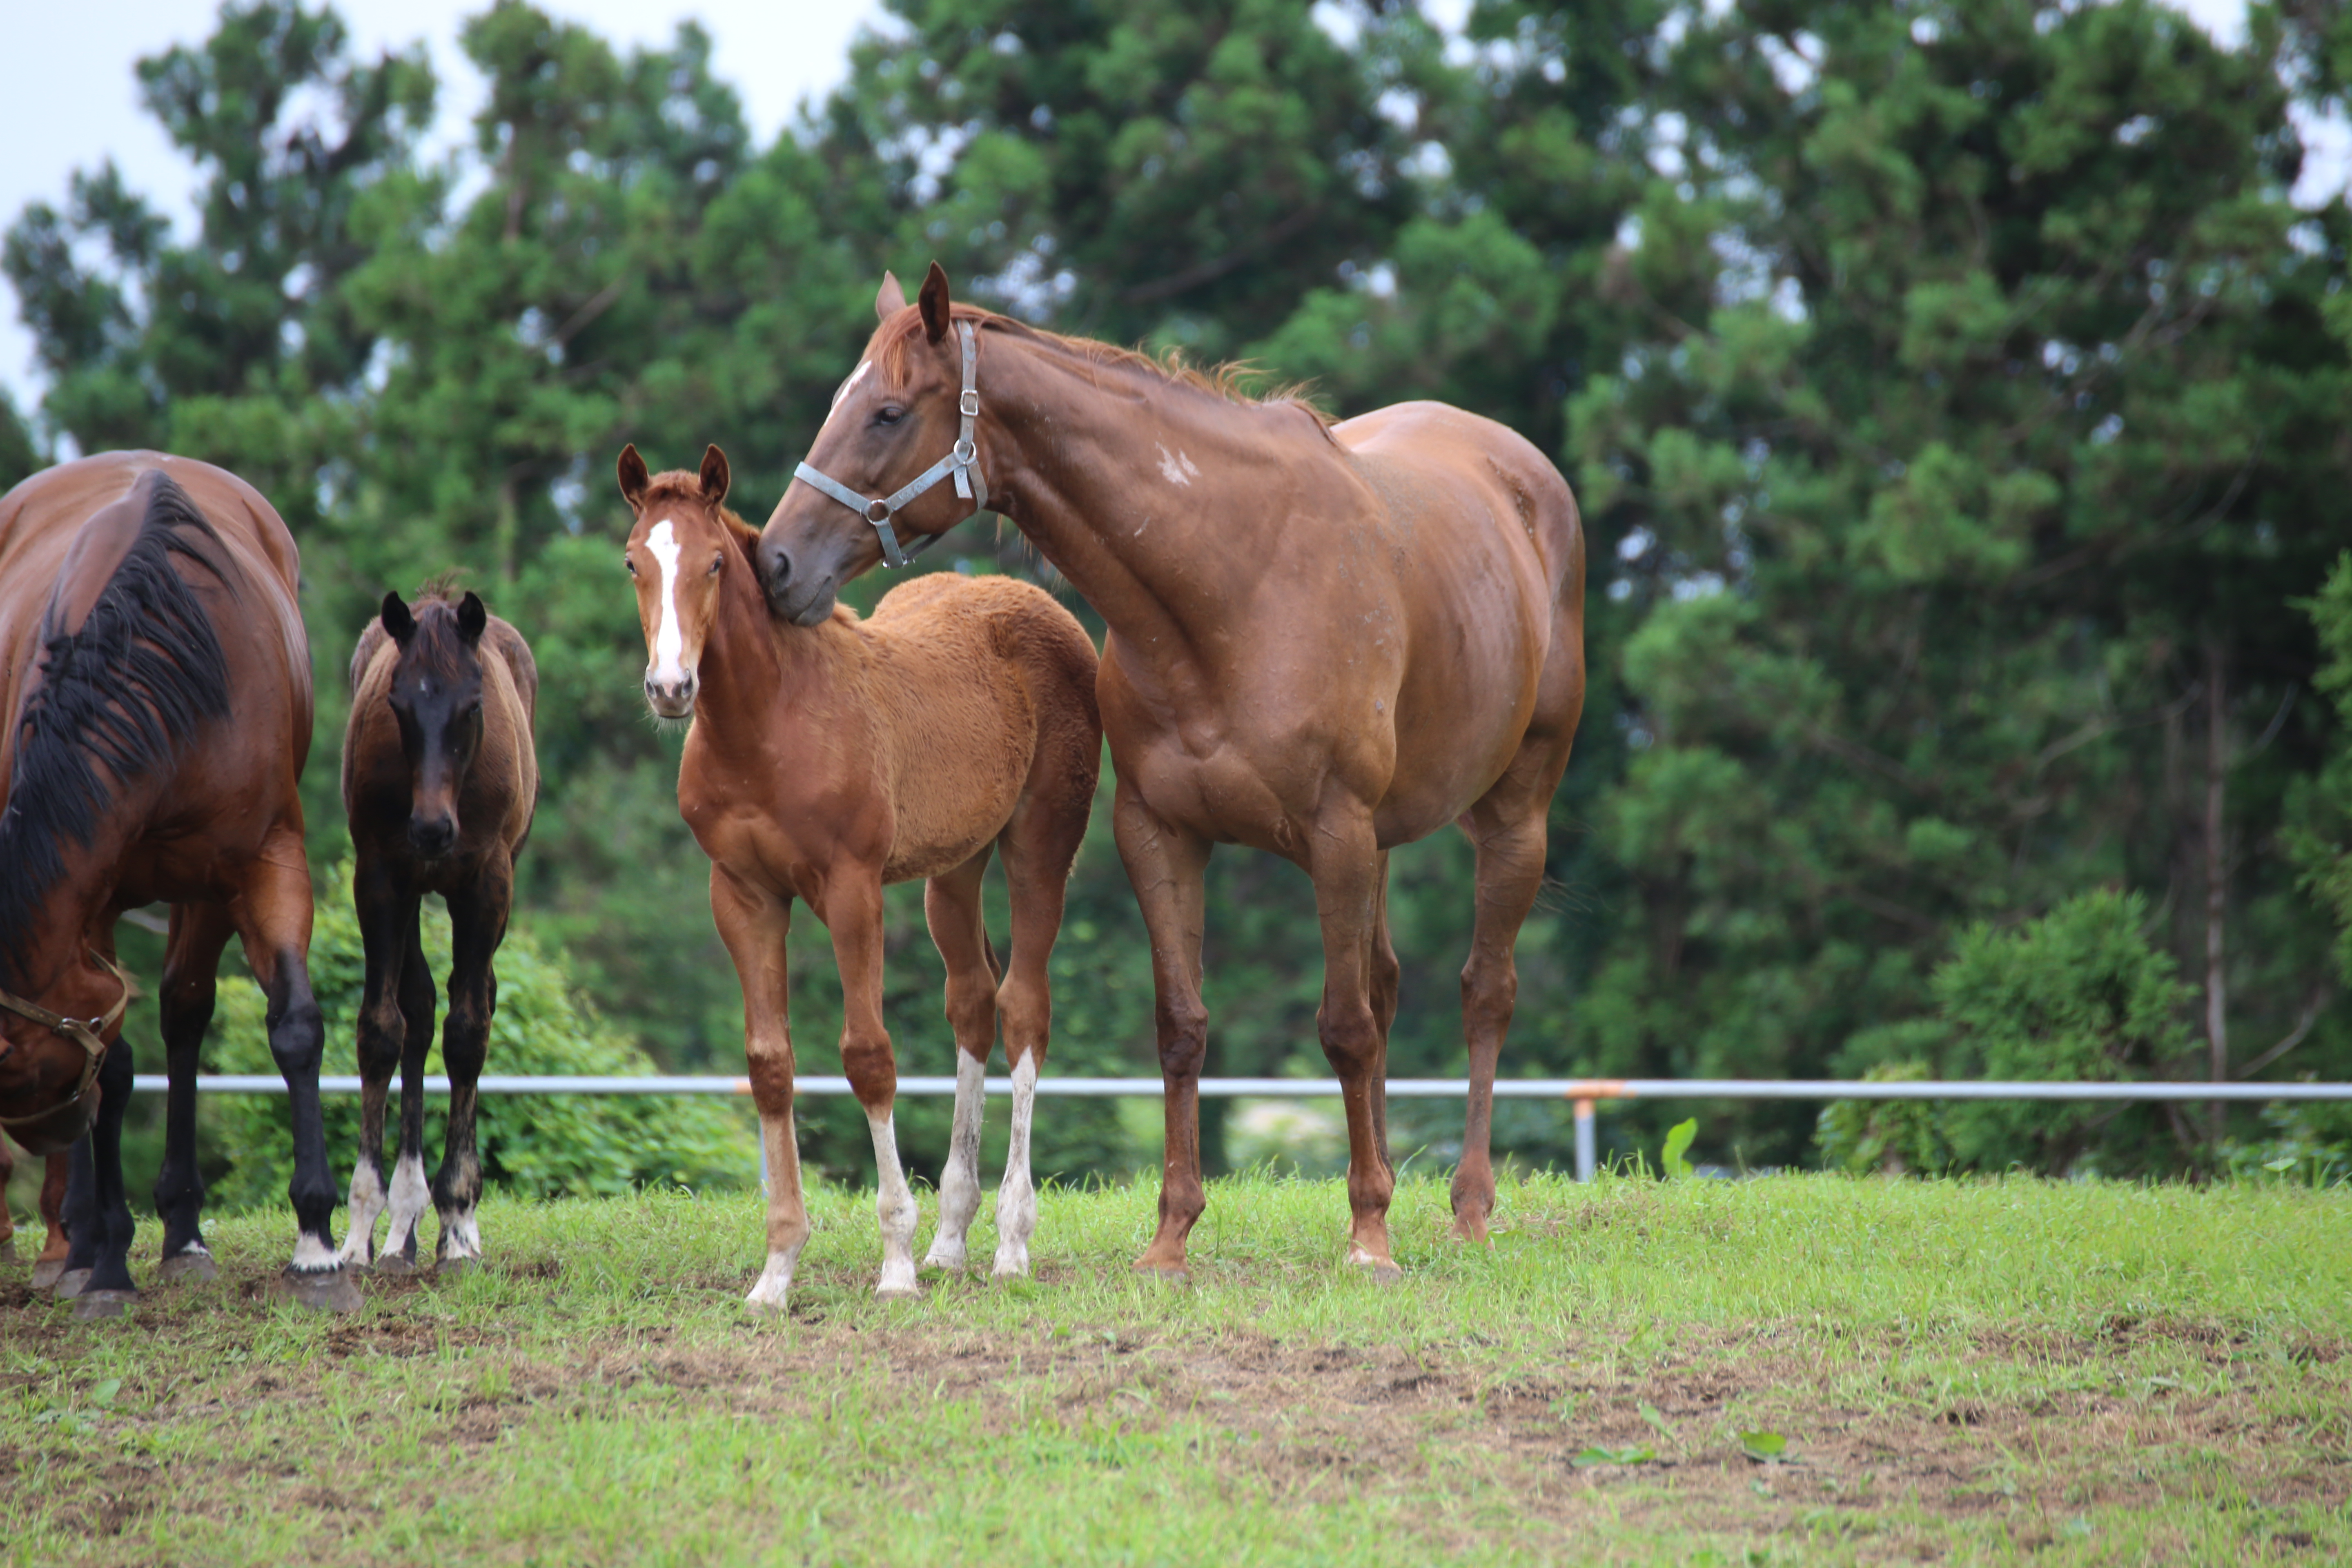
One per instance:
(829, 759)
(155, 682)
(1323, 641)
(440, 779)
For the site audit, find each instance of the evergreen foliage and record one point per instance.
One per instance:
(1957, 399)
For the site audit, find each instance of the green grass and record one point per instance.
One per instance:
(1991, 1371)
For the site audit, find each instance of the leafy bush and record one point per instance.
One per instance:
(2078, 995)
(542, 1145)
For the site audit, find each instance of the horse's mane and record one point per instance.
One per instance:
(1229, 380)
(435, 647)
(127, 691)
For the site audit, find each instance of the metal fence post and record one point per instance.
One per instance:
(1584, 1160)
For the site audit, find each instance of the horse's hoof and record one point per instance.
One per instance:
(191, 1268)
(455, 1268)
(333, 1291)
(95, 1306)
(1166, 1273)
(392, 1263)
(48, 1272)
(898, 1293)
(72, 1283)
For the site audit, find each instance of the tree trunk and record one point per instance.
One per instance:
(2216, 881)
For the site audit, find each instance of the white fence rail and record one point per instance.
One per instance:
(1583, 1093)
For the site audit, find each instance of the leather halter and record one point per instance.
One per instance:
(85, 1035)
(962, 461)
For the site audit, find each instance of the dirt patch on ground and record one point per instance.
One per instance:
(1667, 1426)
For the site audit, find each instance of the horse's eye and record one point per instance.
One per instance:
(889, 413)
(715, 562)
(630, 564)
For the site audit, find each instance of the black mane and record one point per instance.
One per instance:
(127, 691)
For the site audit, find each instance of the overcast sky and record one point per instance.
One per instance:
(72, 100)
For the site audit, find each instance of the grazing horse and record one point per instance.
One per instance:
(1324, 640)
(440, 779)
(829, 758)
(155, 682)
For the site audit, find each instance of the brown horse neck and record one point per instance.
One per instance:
(758, 672)
(1127, 489)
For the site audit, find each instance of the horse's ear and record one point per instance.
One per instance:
(634, 476)
(935, 302)
(889, 299)
(472, 617)
(714, 474)
(397, 620)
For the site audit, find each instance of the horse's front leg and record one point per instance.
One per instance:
(477, 924)
(191, 964)
(1165, 864)
(381, 898)
(754, 923)
(1346, 867)
(97, 1214)
(411, 1194)
(853, 912)
(273, 919)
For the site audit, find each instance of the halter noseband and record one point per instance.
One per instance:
(85, 1035)
(962, 461)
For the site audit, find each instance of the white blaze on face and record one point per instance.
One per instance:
(855, 377)
(668, 668)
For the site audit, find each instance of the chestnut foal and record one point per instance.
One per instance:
(830, 759)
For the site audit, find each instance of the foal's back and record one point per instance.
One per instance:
(981, 686)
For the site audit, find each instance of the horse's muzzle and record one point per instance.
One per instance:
(803, 598)
(672, 698)
(58, 1129)
(433, 837)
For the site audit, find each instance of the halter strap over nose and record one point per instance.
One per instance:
(962, 461)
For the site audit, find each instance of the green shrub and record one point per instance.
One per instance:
(2079, 994)
(542, 1145)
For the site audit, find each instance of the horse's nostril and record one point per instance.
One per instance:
(780, 569)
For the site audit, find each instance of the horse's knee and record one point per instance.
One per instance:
(383, 1029)
(1350, 1037)
(872, 1071)
(298, 1034)
(971, 1008)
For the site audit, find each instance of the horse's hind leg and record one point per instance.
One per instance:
(951, 906)
(1507, 829)
(411, 1194)
(478, 923)
(273, 918)
(191, 963)
(55, 1172)
(1038, 845)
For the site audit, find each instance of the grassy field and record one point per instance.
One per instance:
(1985, 1372)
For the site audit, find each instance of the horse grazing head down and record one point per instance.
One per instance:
(900, 414)
(678, 552)
(436, 697)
